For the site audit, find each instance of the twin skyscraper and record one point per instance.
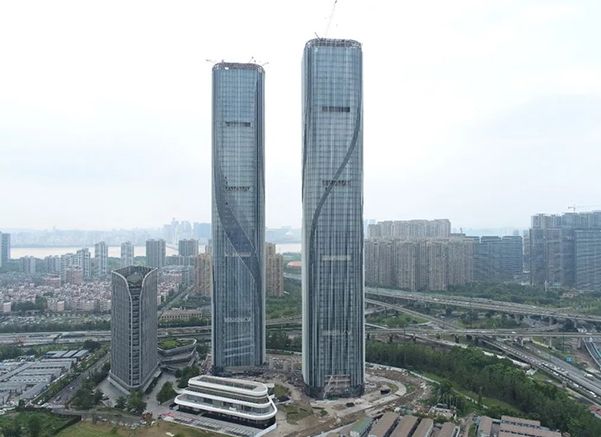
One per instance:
(332, 195)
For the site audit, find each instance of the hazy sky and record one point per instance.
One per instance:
(484, 112)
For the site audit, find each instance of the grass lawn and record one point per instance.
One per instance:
(87, 429)
(295, 412)
(49, 422)
(172, 343)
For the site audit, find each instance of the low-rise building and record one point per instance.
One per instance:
(228, 399)
(384, 426)
(405, 427)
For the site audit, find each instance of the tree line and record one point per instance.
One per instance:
(470, 369)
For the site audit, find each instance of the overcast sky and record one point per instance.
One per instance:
(484, 112)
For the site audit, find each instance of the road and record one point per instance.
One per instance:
(578, 380)
(66, 394)
(481, 304)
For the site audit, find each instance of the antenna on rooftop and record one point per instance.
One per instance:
(330, 17)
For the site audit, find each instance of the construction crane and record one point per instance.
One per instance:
(574, 207)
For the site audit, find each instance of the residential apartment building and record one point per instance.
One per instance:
(188, 247)
(155, 253)
(203, 274)
(274, 268)
(419, 264)
(563, 250)
(101, 259)
(127, 254)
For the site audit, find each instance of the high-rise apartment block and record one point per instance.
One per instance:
(564, 250)
(203, 274)
(54, 264)
(101, 259)
(155, 253)
(410, 229)
(333, 325)
(28, 265)
(274, 267)
(134, 326)
(498, 259)
(238, 217)
(127, 254)
(4, 249)
(82, 259)
(188, 247)
(418, 264)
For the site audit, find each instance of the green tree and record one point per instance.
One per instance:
(167, 392)
(12, 429)
(135, 402)
(34, 426)
(121, 403)
(187, 373)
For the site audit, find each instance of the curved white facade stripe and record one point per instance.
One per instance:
(230, 399)
(333, 333)
(238, 217)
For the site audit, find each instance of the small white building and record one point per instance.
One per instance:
(232, 400)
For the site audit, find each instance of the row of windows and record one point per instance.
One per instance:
(237, 123)
(336, 109)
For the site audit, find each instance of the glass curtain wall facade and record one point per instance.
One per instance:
(238, 217)
(134, 325)
(333, 331)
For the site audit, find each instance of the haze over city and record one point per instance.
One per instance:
(482, 112)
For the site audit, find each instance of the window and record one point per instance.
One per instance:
(336, 109)
(237, 123)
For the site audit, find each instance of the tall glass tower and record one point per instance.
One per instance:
(238, 217)
(333, 332)
(134, 324)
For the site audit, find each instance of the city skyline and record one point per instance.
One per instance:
(483, 95)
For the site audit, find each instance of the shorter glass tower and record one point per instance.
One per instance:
(134, 324)
(238, 218)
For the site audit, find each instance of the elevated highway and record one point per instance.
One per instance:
(480, 304)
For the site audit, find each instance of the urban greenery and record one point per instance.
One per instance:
(167, 392)
(288, 305)
(185, 374)
(172, 343)
(279, 340)
(470, 369)
(32, 424)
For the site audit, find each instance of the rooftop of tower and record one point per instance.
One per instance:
(238, 66)
(326, 42)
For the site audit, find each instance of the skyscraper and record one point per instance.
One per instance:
(188, 247)
(238, 217)
(101, 258)
(127, 254)
(333, 332)
(4, 249)
(134, 323)
(155, 253)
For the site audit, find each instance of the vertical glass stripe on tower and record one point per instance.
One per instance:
(333, 333)
(238, 217)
